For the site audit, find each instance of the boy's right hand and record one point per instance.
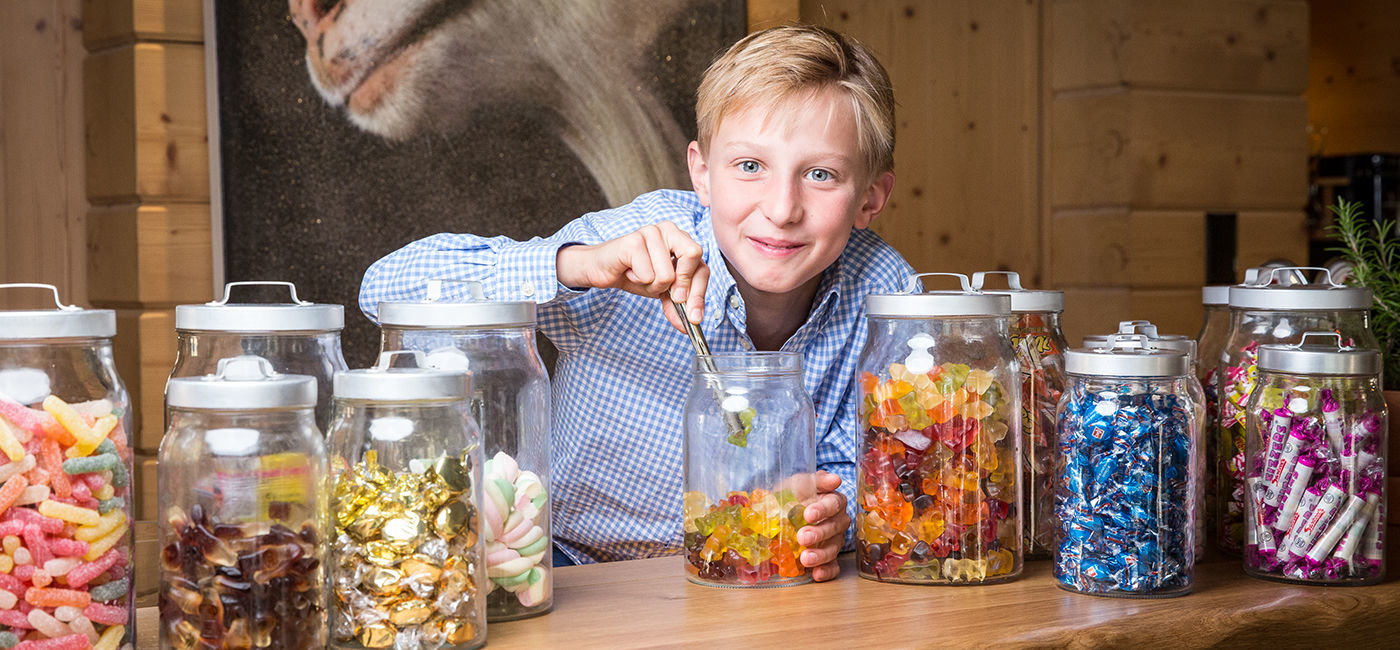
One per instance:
(657, 261)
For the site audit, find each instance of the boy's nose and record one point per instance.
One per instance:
(784, 204)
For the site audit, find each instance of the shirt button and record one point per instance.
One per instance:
(746, 344)
(735, 302)
(527, 289)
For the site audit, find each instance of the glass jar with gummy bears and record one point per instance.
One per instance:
(458, 329)
(1262, 312)
(243, 525)
(938, 481)
(750, 464)
(65, 485)
(407, 568)
(1316, 475)
(1040, 346)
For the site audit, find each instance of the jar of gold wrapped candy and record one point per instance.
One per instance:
(939, 472)
(243, 511)
(459, 329)
(407, 568)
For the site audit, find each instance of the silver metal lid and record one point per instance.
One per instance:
(1315, 358)
(917, 303)
(1128, 355)
(1259, 291)
(242, 383)
(1022, 300)
(438, 312)
(62, 322)
(1215, 294)
(296, 316)
(1155, 341)
(386, 383)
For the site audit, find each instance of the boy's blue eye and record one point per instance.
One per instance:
(749, 167)
(819, 175)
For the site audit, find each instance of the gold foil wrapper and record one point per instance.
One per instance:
(406, 553)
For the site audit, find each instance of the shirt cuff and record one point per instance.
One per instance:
(528, 271)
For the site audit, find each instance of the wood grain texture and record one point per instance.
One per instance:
(763, 14)
(1265, 236)
(1256, 46)
(1098, 310)
(966, 77)
(648, 603)
(1178, 150)
(1354, 76)
(144, 358)
(147, 130)
(42, 201)
(1141, 248)
(150, 256)
(108, 23)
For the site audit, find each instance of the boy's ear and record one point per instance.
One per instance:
(876, 196)
(699, 172)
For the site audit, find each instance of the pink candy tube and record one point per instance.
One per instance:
(1260, 534)
(1338, 527)
(1373, 545)
(1278, 480)
(1296, 488)
(1307, 530)
(1278, 435)
(1332, 420)
(1346, 548)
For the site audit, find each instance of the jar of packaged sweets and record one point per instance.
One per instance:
(297, 337)
(1262, 312)
(939, 489)
(1040, 345)
(510, 401)
(1129, 443)
(1315, 476)
(407, 567)
(1210, 343)
(243, 524)
(65, 485)
(750, 470)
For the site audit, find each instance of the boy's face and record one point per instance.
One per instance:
(785, 184)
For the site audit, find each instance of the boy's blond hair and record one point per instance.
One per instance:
(776, 64)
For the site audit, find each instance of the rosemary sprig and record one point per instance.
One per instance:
(1373, 249)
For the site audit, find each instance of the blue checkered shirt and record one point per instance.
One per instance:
(623, 372)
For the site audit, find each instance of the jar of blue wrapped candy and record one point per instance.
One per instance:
(1129, 426)
(1315, 473)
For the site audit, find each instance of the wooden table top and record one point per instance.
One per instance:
(649, 603)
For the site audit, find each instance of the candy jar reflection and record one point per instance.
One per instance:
(406, 556)
(242, 511)
(750, 463)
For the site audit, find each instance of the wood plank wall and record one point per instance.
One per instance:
(1354, 77)
(148, 233)
(42, 204)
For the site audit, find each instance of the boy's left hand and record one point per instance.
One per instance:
(825, 531)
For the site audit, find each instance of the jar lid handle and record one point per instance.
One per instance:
(1124, 341)
(1265, 276)
(1143, 327)
(228, 289)
(39, 285)
(1334, 336)
(1013, 279)
(388, 357)
(916, 284)
(246, 367)
(473, 289)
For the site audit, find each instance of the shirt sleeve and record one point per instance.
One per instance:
(508, 270)
(836, 453)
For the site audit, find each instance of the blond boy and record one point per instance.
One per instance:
(793, 162)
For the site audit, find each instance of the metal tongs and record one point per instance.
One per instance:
(738, 433)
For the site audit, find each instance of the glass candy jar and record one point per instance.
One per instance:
(1040, 345)
(243, 522)
(1174, 342)
(406, 558)
(1210, 343)
(1316, 476)
(65, 485)
(1129, 432)
(1262, 312)
(750, 470)
(938, 490)
(299, 337)
(510, 401)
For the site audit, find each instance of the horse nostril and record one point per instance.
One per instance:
(324, 7)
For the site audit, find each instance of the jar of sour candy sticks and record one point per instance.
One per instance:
(1315, 474)
(939, 468)
(750, 463)
(65, 479)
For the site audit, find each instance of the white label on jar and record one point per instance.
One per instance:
(1317, 520)
(1295, 520)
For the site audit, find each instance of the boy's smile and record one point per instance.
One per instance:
(785, 184)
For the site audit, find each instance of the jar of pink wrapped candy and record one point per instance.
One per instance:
(1315, 470)
(65, 479)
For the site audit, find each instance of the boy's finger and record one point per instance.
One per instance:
(695, 302)
(819, 555)
(827, 482)
(663, 273)
(640, 271)
(824, 531)
(825, 572)
(669, 311)
(686, 266)
(825, 507)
